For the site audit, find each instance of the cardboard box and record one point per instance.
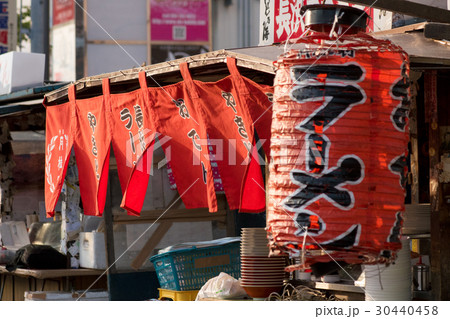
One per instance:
(20, 70)
(14, 235)
(92, 250)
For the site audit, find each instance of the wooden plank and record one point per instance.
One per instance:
(85, 23)
(210, 31)
(109, 231)
(203, 43)
(409, 8)
(70, 214)
(149, 34)
(114, 42)
(414, 162)
(151, 243)
(407, 28)
(430, 92)
(156, 188)
(52, 273)
(6, 171)
(180, 215)
(219, 218)
(430, 88)
(442, 223)
(29, 94)
(197, 63)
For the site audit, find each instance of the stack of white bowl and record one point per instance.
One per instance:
(391, 283)
(260, 274)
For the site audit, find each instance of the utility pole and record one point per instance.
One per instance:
(40, 30)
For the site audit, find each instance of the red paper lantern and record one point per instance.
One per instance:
(339, 148)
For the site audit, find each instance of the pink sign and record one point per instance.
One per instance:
(179, 20)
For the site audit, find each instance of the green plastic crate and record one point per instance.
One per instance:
(190, 269)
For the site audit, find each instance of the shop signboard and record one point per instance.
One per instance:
(280, 20)
(63, 11)
(179, 20)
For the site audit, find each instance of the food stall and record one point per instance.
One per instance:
(425, 182)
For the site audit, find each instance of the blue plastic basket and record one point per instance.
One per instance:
(190, 269)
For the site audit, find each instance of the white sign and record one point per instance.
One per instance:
(63, 53)
(280, 20)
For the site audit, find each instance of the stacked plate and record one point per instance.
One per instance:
(260, 275)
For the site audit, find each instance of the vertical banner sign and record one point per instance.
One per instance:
(179, 20)
(63, 11)
(280, 20)
(63, 41)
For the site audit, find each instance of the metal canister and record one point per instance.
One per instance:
(421, 277)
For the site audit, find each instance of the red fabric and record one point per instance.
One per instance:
(225, 108)
(339, 142)
(184, 141)
(92, 144)
(182, 116)
(60, 130)
(260, 104)
(132, 140)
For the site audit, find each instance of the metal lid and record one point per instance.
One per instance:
(321, 18)
(421, 267)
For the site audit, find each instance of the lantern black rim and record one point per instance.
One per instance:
(324, 15)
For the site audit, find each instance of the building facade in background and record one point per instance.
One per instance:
(8, 26)
(88, 39)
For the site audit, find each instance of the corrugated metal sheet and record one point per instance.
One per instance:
(26, 100)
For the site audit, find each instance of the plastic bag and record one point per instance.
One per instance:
(223, 286)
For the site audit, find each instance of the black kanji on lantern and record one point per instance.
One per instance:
(399, 166)
(328, 185)
(400, 92)
(394, 236)
(315, 83)
(318, 145)
(308, 222)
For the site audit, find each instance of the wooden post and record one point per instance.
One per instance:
(6, 171)
(414, 77)
(149, 33)
(70, 214)
(440, 235)
(149, 246)
(109, 232)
